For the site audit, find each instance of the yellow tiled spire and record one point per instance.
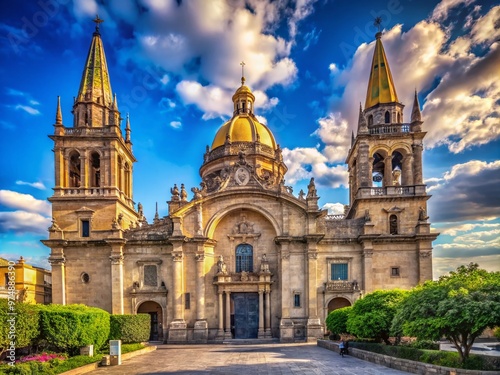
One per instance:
(95, 85)
(381, 87)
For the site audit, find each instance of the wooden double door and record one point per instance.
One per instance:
(246, 315)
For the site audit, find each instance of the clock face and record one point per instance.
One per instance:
(241, 176)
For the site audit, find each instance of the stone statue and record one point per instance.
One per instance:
(367, 216)
(301, 194)
(422, 215)
(175, 193)
(183, 194)
(221, 266)
(264, 264)
(311, 189)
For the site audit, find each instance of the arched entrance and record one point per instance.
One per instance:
(156, 313)
(338, 303)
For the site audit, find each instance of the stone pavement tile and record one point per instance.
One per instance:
(267, 359)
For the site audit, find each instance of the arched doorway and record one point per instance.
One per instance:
(155, 311)
(338, 303)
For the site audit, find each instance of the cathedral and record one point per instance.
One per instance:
(240, 256)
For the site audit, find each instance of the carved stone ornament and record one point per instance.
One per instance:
(54, 227)
(425, 254)
(241, 176)
(243, 226)
(116, 259)
(177, 257)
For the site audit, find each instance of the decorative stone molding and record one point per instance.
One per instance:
(425, 254)
(116, 259)
(177, 257)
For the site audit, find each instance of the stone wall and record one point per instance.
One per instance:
(403, 364)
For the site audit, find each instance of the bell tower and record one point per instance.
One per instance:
(385, 166)
(93, 159)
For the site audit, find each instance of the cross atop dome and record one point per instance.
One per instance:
(242, 72)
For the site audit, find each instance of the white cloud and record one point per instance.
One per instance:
(204, 41)
(443, 265)
(441, 11)
(304, 163)
(176, 124)
(469, 191)
(335, 134)
(23, 222)
(213, 100)
(24, 202)
(27, 109)
(334, 208)
(37, 185)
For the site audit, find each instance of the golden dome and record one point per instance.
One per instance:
(244, 128)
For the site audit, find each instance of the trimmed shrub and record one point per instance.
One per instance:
(336, 321)
(26, 324)
(435, 357)
(130, 328)
(70, 327)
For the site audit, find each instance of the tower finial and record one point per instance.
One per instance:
(242, 73)
(378, 24)
(97, 21)
(58, 111)
(416, 115)
(127, 129)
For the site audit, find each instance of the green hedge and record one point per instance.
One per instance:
(435, 357)
(25, 323)
(336, 321)
(70, 327)
(130, 328)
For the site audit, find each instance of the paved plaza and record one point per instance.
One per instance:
(269, 359)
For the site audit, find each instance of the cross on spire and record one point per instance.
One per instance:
(242, 72)
(378, 23)
(97, 21)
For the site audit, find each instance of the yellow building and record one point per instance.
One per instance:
(32, 284)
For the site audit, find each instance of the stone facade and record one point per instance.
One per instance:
(240, 256)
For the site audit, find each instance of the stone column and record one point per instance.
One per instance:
(286, 324)
(221, 315)
(84, 170)
(57, 261)
(314, 328)
(388, 171)
(228, 315)
(268, 314)
(200, 333)
(407, 173)
(178, 328)
(261, 314)
(116, 259)
(417, 164)
(367, 267)
(177, 286)
(370, 170)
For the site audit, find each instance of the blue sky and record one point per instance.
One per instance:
(174, 66)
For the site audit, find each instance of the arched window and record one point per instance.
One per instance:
(399, 118)
(127, 180)
(244, 258)
(74, 170)
(387, 117)
(119, 173)
(393, 224)
(370, 120)
(95, 177)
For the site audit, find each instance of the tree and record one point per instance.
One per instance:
(371, 316)
(459, 306)
(336, 321)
